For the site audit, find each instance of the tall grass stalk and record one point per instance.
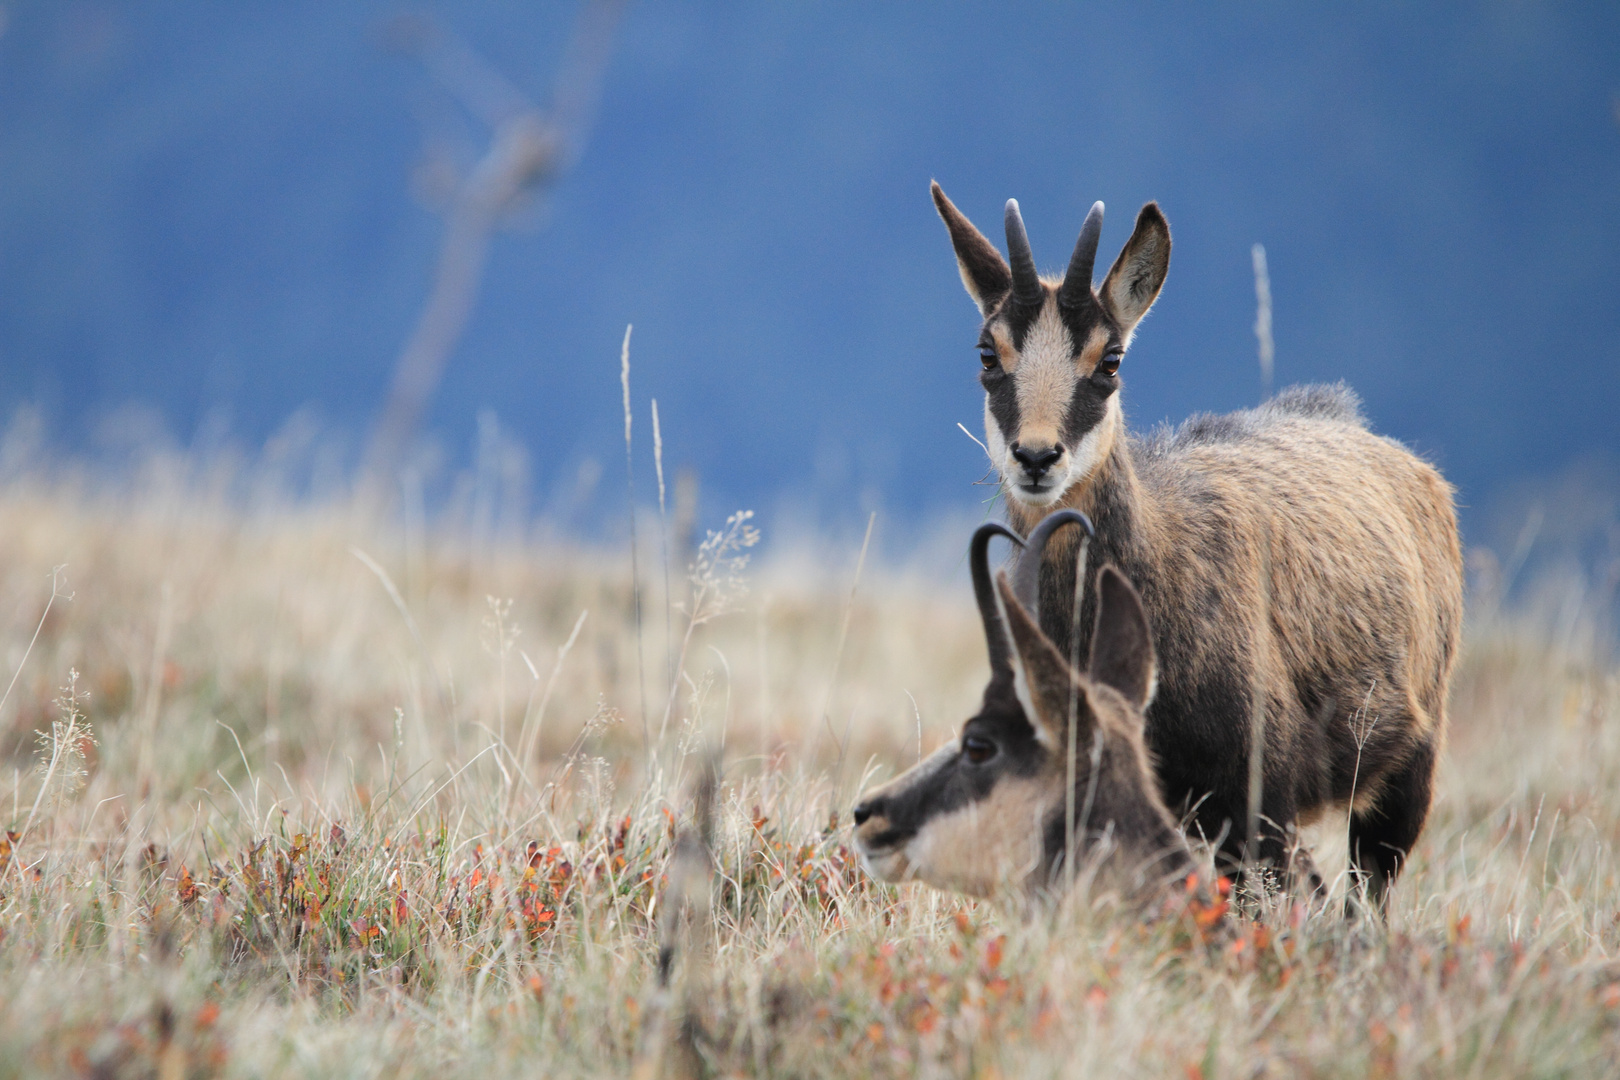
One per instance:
(1262, 319)
(57, 580)
(635, 572)
(1071, 775)
(838, 652)
(663, 550)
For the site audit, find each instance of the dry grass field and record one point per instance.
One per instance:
(293, 794)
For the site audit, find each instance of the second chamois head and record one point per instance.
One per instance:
(1051, 771)
(1050, 349)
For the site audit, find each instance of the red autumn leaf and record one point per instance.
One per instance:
(1207, 915)
(993, 950)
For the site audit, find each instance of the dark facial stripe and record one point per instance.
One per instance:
(1089, 400)
(958, 782)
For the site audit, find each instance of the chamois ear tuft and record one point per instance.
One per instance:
(1047, 687)
(1122, 643)
(984, 272)
(1138, 274)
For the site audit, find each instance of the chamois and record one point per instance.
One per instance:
(1051, 772)
(1288, 558)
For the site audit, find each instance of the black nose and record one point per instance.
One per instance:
(1036, 462)
(862, 812)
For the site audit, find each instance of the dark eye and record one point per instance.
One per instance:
(978, 750)
(1108, 365)
(988, 357)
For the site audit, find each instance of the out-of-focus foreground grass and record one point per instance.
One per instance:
(296, 794)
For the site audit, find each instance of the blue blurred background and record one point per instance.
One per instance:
(208, 211)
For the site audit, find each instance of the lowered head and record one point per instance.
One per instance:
(991, 810)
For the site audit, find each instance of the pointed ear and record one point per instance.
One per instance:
(1122, 643)
(983, 270)
(1134, 282)
(1046, 684)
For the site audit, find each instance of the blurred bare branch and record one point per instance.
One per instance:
(529, 148)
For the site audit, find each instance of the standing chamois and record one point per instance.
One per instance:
(1053, 763)
(1301, 574)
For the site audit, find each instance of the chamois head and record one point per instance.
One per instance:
(1051, 348)
(991, 809)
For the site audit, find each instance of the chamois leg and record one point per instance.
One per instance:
(1382, 835)
(1304, 879)
(1272, 858)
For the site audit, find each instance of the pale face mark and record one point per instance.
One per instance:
(976, 848)
(1045, 374)
(987, 845)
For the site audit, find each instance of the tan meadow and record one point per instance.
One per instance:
(300, 791)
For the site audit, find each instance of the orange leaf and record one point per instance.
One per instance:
(993, 950)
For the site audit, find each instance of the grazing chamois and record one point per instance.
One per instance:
(1302, 575)
(1052, 771)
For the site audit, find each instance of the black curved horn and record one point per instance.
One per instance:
(1026, 282)
(984, 591)
(1026, 581)
(1077, 280)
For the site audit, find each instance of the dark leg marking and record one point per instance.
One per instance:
(1381, 837)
